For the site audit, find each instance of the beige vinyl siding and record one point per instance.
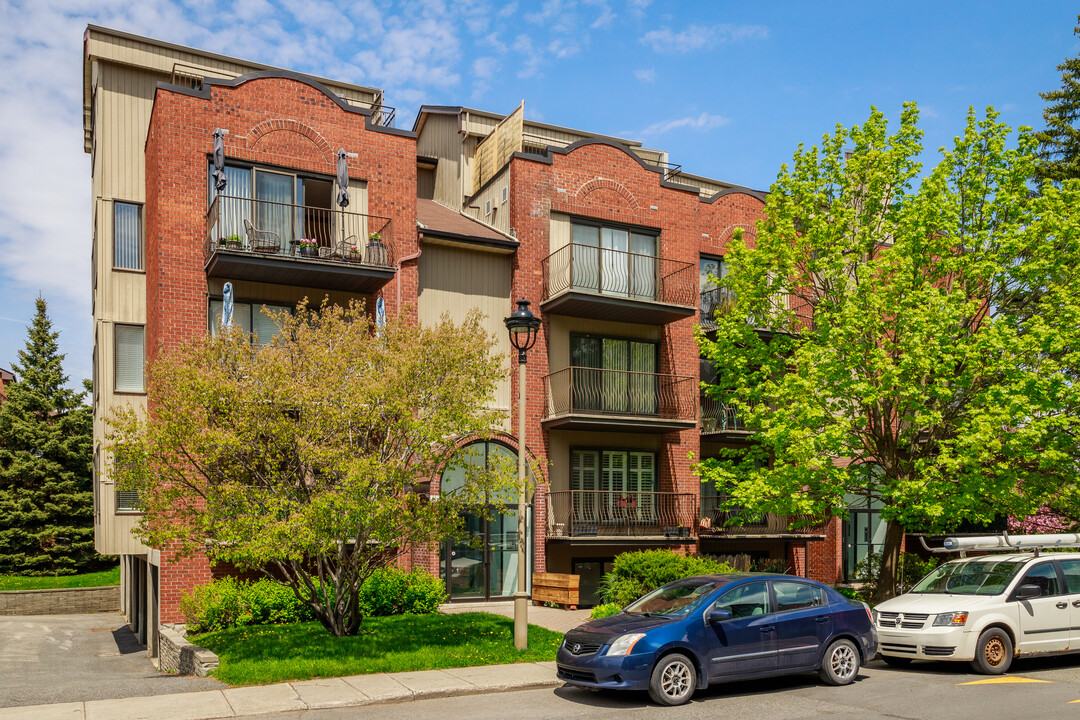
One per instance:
(440, 139)
(454, 281)
(561, 326)
(559, 232)
(499, 217)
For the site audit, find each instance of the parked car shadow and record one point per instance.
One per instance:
(1020, 665)
(735, 688)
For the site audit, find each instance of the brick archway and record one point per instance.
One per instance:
(268, 127)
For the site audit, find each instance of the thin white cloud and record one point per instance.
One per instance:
(648, 75)
(696, 37)
(704, 121)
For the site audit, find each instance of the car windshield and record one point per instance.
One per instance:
(976, 577)
(674, 598)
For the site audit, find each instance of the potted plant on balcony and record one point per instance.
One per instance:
(354, 254)
(232, 242)
(376, 252)
(309, 248)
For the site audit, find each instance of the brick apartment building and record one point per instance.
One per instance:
(611, 243)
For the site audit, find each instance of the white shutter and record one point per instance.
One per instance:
(130, 357)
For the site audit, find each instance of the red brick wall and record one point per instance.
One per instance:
(271, 121)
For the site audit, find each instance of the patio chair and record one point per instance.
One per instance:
(264, 241)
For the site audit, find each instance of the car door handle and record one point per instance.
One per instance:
(767, 628)
(822, 618)
(1062, 605)
(1076, 603)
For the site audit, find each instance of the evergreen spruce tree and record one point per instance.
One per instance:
(1059, 143)
(46, 441)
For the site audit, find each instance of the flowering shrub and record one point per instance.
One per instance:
(308, 243)
(1044, 521)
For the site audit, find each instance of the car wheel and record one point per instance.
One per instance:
(841, 663)
(993, 652)
(673, 680)
(897, 662)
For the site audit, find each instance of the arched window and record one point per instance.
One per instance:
(482, 456)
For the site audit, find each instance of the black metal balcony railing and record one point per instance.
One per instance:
(717, 520)
(721, 415)
(239, 224)
(598, 391)
(602, 513)
(713, 301)
(619, 274)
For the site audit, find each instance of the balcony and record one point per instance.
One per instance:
(580, 398)
(711, 301)
(714, 522)
(721, 421)
(603, 284)
(300, 245)
(596, 515)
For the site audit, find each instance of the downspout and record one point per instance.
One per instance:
(397, 275)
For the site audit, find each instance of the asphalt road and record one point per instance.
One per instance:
(69, 658)
(928, 691)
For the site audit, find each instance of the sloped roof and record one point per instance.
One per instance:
(438, 221)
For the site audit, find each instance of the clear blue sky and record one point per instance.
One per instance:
(729, 89)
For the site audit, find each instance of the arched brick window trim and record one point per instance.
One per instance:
(532, 463)
(267, 127)
(605, 184)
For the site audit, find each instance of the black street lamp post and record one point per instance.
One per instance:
(522, 325)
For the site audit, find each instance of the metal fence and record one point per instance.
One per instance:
(620, 392)
(619, 513)
(620, 274)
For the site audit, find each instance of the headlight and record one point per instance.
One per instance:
(951, 619)
(624, 644)
(873, 616)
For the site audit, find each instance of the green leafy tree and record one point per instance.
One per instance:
(299, 459)
(1059, 143)
(46, 441)
(911, 342)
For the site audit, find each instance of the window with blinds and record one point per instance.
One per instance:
(127, 236)
(612, 483)
(249, 317)
(128, 501)
(130, 358)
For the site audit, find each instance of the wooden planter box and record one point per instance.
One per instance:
(556, 588)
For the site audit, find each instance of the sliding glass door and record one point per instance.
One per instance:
(614, 375)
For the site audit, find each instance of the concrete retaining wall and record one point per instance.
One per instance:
(177, 655)
(60, 601)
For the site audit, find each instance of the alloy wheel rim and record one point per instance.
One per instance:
(994, 652)
(843, 662)
(676, 679)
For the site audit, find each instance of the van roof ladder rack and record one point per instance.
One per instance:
(1004, 541)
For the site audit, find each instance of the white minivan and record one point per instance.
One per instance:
(986, 610)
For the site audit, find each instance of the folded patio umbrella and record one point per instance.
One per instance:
(219, 159)
(342, 178)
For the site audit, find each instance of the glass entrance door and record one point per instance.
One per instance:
(483, 562)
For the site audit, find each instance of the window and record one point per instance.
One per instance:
(130, 358)
(713, 298)
(797, 596)
(127, 236)
(504, 195)
(487, 208)
(613, 485)
(480, 457)
(745, 600)
(249, 316)
(614, 375)
(614, 261)
(1045, 576)
(1071, 568)
(127, 501)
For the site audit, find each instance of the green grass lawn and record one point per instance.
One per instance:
(97, 579)
(261, 654)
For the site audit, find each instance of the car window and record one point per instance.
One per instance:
(745, 600)
(796, 596)
(1045, 576)
(675, 598)
(1071, 568)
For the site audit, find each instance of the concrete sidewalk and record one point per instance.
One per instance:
(309, 694)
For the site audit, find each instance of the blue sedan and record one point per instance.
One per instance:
(715, 628)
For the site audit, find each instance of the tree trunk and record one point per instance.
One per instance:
(888, 574)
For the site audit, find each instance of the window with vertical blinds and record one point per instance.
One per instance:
(127, 236)
(130, 357)
(249, 317)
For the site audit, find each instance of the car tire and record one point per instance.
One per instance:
(673, 681)
(993, 652)
(896, 662)
(840, 664)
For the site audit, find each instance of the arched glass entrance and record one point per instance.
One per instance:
(482, 563)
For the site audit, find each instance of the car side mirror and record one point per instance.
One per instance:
(1026, 592)
(719, 616)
